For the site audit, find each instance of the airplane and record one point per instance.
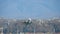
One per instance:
(28, 21)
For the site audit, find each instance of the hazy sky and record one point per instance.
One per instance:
(29, 8)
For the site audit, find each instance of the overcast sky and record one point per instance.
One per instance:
(29, 8)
